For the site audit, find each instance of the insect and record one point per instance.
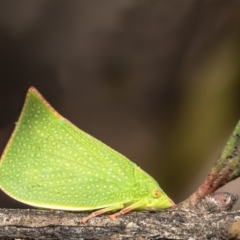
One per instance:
(50, 163)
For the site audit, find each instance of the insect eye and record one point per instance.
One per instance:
(157, 193)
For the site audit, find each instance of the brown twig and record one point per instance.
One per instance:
(171, 224)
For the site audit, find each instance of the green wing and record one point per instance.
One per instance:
(50, 163)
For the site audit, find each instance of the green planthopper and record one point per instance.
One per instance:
(50, 163)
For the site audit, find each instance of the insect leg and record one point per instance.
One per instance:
(129, 208)
(101, 211)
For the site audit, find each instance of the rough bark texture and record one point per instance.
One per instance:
(174, 224)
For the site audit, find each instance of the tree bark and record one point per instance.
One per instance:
(168, 224)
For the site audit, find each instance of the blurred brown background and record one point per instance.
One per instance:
(157, 80)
